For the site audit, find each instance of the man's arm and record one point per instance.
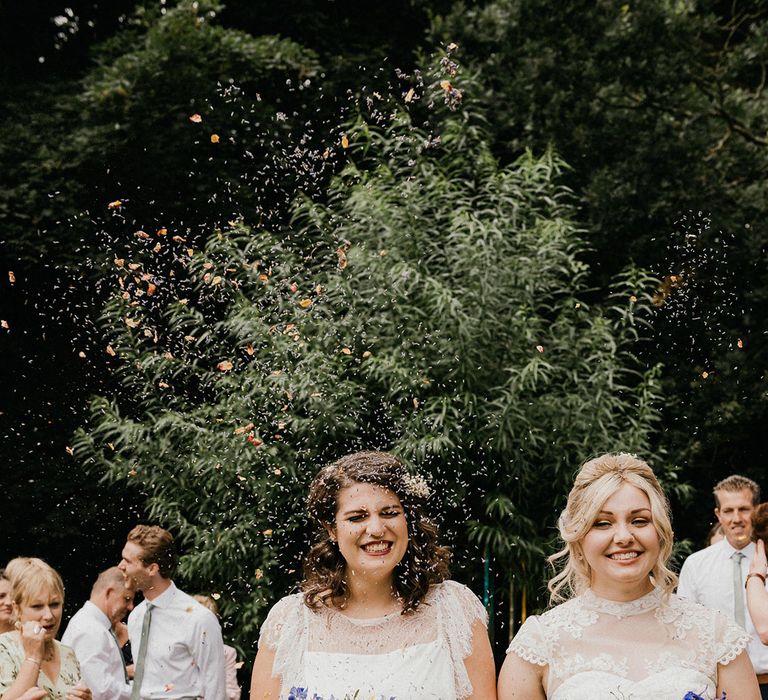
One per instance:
(687, 586)
(208, 653)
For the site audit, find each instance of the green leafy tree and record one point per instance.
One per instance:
(659, 108)
(434, 304)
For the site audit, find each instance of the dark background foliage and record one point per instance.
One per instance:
(658, 109)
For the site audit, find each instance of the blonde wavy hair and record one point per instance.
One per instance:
(597, 480)
(30, 577)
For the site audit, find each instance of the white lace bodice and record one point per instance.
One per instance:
(398, 656)
(652, 648)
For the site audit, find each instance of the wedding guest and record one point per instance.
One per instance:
(619, 631)
(757, 595)
(715, 576)
(90, 633)
(31, 660)
(176, 642)
(376, 615)
(230, 655)
(715, 534)
(6, 604)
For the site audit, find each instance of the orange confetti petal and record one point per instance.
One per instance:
(249, 349)
(305, 303)
(740, 343)
(131, 323)
(446, 85)
(4, 324)
(132, 472)
(151, 289)
(111, 351)
(69, 451)
(344, 141)
(215, 138)
(704, 375)
(11, 277)
(115, 205)
(409, 95)
(367, 354)
(224, 366)
(162, 232)
(346, 351)
(196, 118)
(341, 254)
(267, 533)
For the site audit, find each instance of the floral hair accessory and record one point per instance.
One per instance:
(416, 485)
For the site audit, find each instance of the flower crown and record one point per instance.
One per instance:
(416, 485)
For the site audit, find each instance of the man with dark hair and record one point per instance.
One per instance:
(90, 634)
(176, 642)
(715, 576)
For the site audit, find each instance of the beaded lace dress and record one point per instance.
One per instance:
(419, 655)
(652, 648)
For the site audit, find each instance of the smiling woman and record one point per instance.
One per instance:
(376, 616)
(30, 656)
(621, 632)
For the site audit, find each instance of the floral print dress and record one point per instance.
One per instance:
(12, 656)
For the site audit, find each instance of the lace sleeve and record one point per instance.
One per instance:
(730, 639)
(529, 643)
(460, 610)
(284, 632)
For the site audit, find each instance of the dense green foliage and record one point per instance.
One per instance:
(659, 108)
(497, 290)
(434, 304)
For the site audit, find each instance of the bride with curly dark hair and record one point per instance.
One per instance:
(376, 615)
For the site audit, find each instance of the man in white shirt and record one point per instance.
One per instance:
(90, 634)
(176, 642)
(715, 576)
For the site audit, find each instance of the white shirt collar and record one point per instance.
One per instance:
(165, 598)
(747, 551)
(98, 614)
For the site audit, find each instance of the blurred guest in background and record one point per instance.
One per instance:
(90, 633)
(30, 656)
(715, 534)
(6, 605)
(230, 655)
(757, 596)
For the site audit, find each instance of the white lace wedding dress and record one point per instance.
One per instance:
(397, 657)
(652, 648)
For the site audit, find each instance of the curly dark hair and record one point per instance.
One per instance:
(760, 523)
(424, 563)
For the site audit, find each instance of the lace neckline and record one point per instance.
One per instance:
(622, 609)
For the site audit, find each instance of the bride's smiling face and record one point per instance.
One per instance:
(622, 546)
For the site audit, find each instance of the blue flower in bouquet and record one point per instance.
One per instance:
(690, 695)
